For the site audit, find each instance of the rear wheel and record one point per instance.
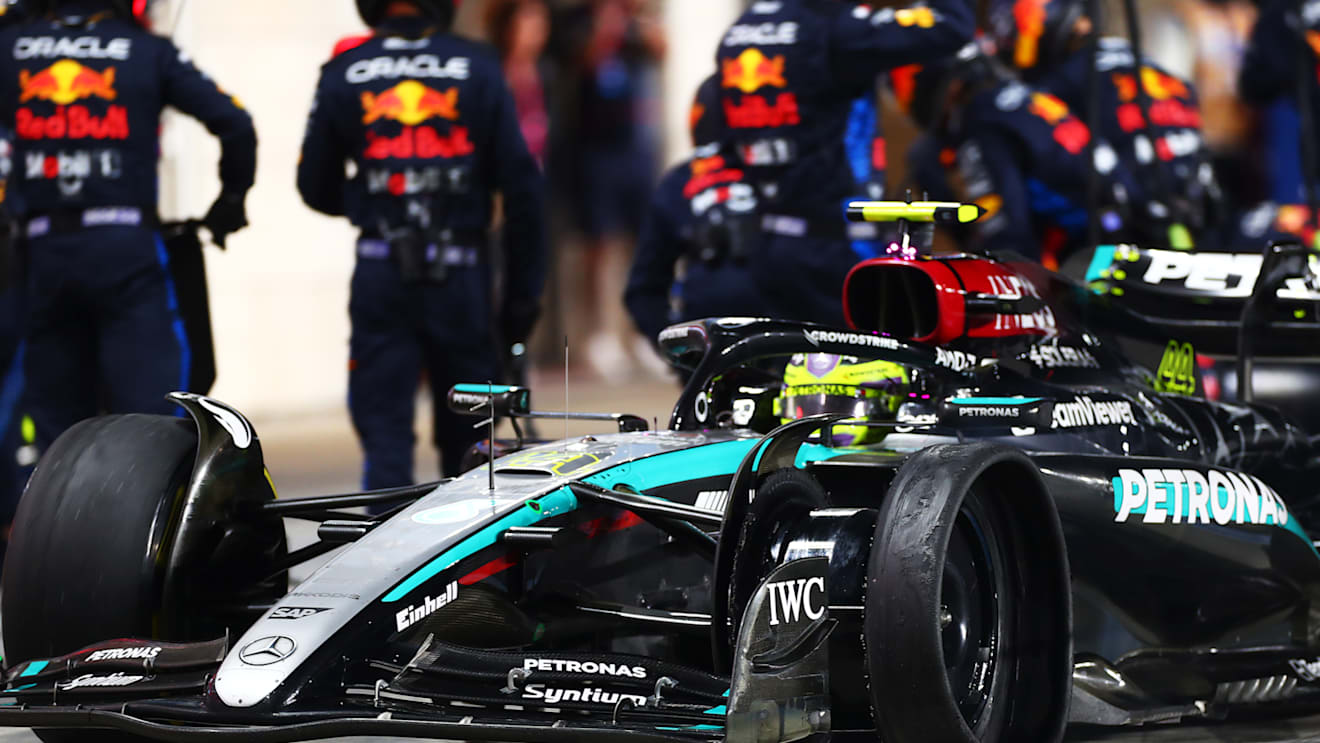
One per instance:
(967, 605)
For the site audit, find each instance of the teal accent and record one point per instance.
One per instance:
(1180, 508)
(1103, 259)
(643, 474)
(551, 504)
(995, 400)
(35, 667)
(691, 464)
(676, 466)
(722, 710)
(483, 389)
(18, 688)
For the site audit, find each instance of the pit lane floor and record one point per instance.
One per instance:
(317, 454)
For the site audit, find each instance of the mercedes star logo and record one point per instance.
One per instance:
(267, 650)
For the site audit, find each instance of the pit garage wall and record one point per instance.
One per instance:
(280, 293)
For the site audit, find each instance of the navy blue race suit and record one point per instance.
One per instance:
(1022, 155)
(1175, 168)
(791, 73)
(722, 286)
(1271, 64)
(84, 95)
(431, 130)
(1284, 42)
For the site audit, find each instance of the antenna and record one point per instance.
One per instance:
(490, 442)
(903, 229)
(565, 390)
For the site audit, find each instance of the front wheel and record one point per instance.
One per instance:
(86, 559)
(968, 610)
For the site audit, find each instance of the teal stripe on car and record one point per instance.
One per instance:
(35, 667)
(995, 400)
(483, 389)
(655, 471)
(19, 688)
(1101, 260)
(532, 512)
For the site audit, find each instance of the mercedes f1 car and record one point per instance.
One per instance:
(991, 507)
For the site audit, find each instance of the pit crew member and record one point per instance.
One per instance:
(83, 84)
(791, 73)
(1154, 128)
(703, 216)
(431, 130)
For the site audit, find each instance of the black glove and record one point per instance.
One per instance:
(227, 216)
(517, 321)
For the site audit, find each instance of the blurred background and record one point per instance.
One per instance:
(604, 88)
(280, 293)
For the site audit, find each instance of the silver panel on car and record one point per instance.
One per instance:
(363, 572)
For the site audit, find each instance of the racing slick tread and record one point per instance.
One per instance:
(84, 563)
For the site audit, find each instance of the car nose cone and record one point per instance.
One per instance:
(267, 650)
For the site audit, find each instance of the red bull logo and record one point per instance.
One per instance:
(755, 112)
(1072, 135)
(1159, 86)
(920, 17)
(410, 103)
(1170, 105)
(1048, 107)
(419, 142)
(1029, 15)
(752, 70)
(1173, 113)
(66, 82)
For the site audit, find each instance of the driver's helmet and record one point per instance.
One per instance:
(872, 391)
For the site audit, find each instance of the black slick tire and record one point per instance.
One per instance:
(85, 562)
(968, 604)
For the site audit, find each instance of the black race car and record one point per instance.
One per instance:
(992, 507)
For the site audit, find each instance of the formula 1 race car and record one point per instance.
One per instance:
(977, 514)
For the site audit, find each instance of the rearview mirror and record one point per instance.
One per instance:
(483, 400)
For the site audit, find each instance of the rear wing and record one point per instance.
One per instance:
(1201, 297)
(1254, 306)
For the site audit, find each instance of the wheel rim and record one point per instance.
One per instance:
(972, 610)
